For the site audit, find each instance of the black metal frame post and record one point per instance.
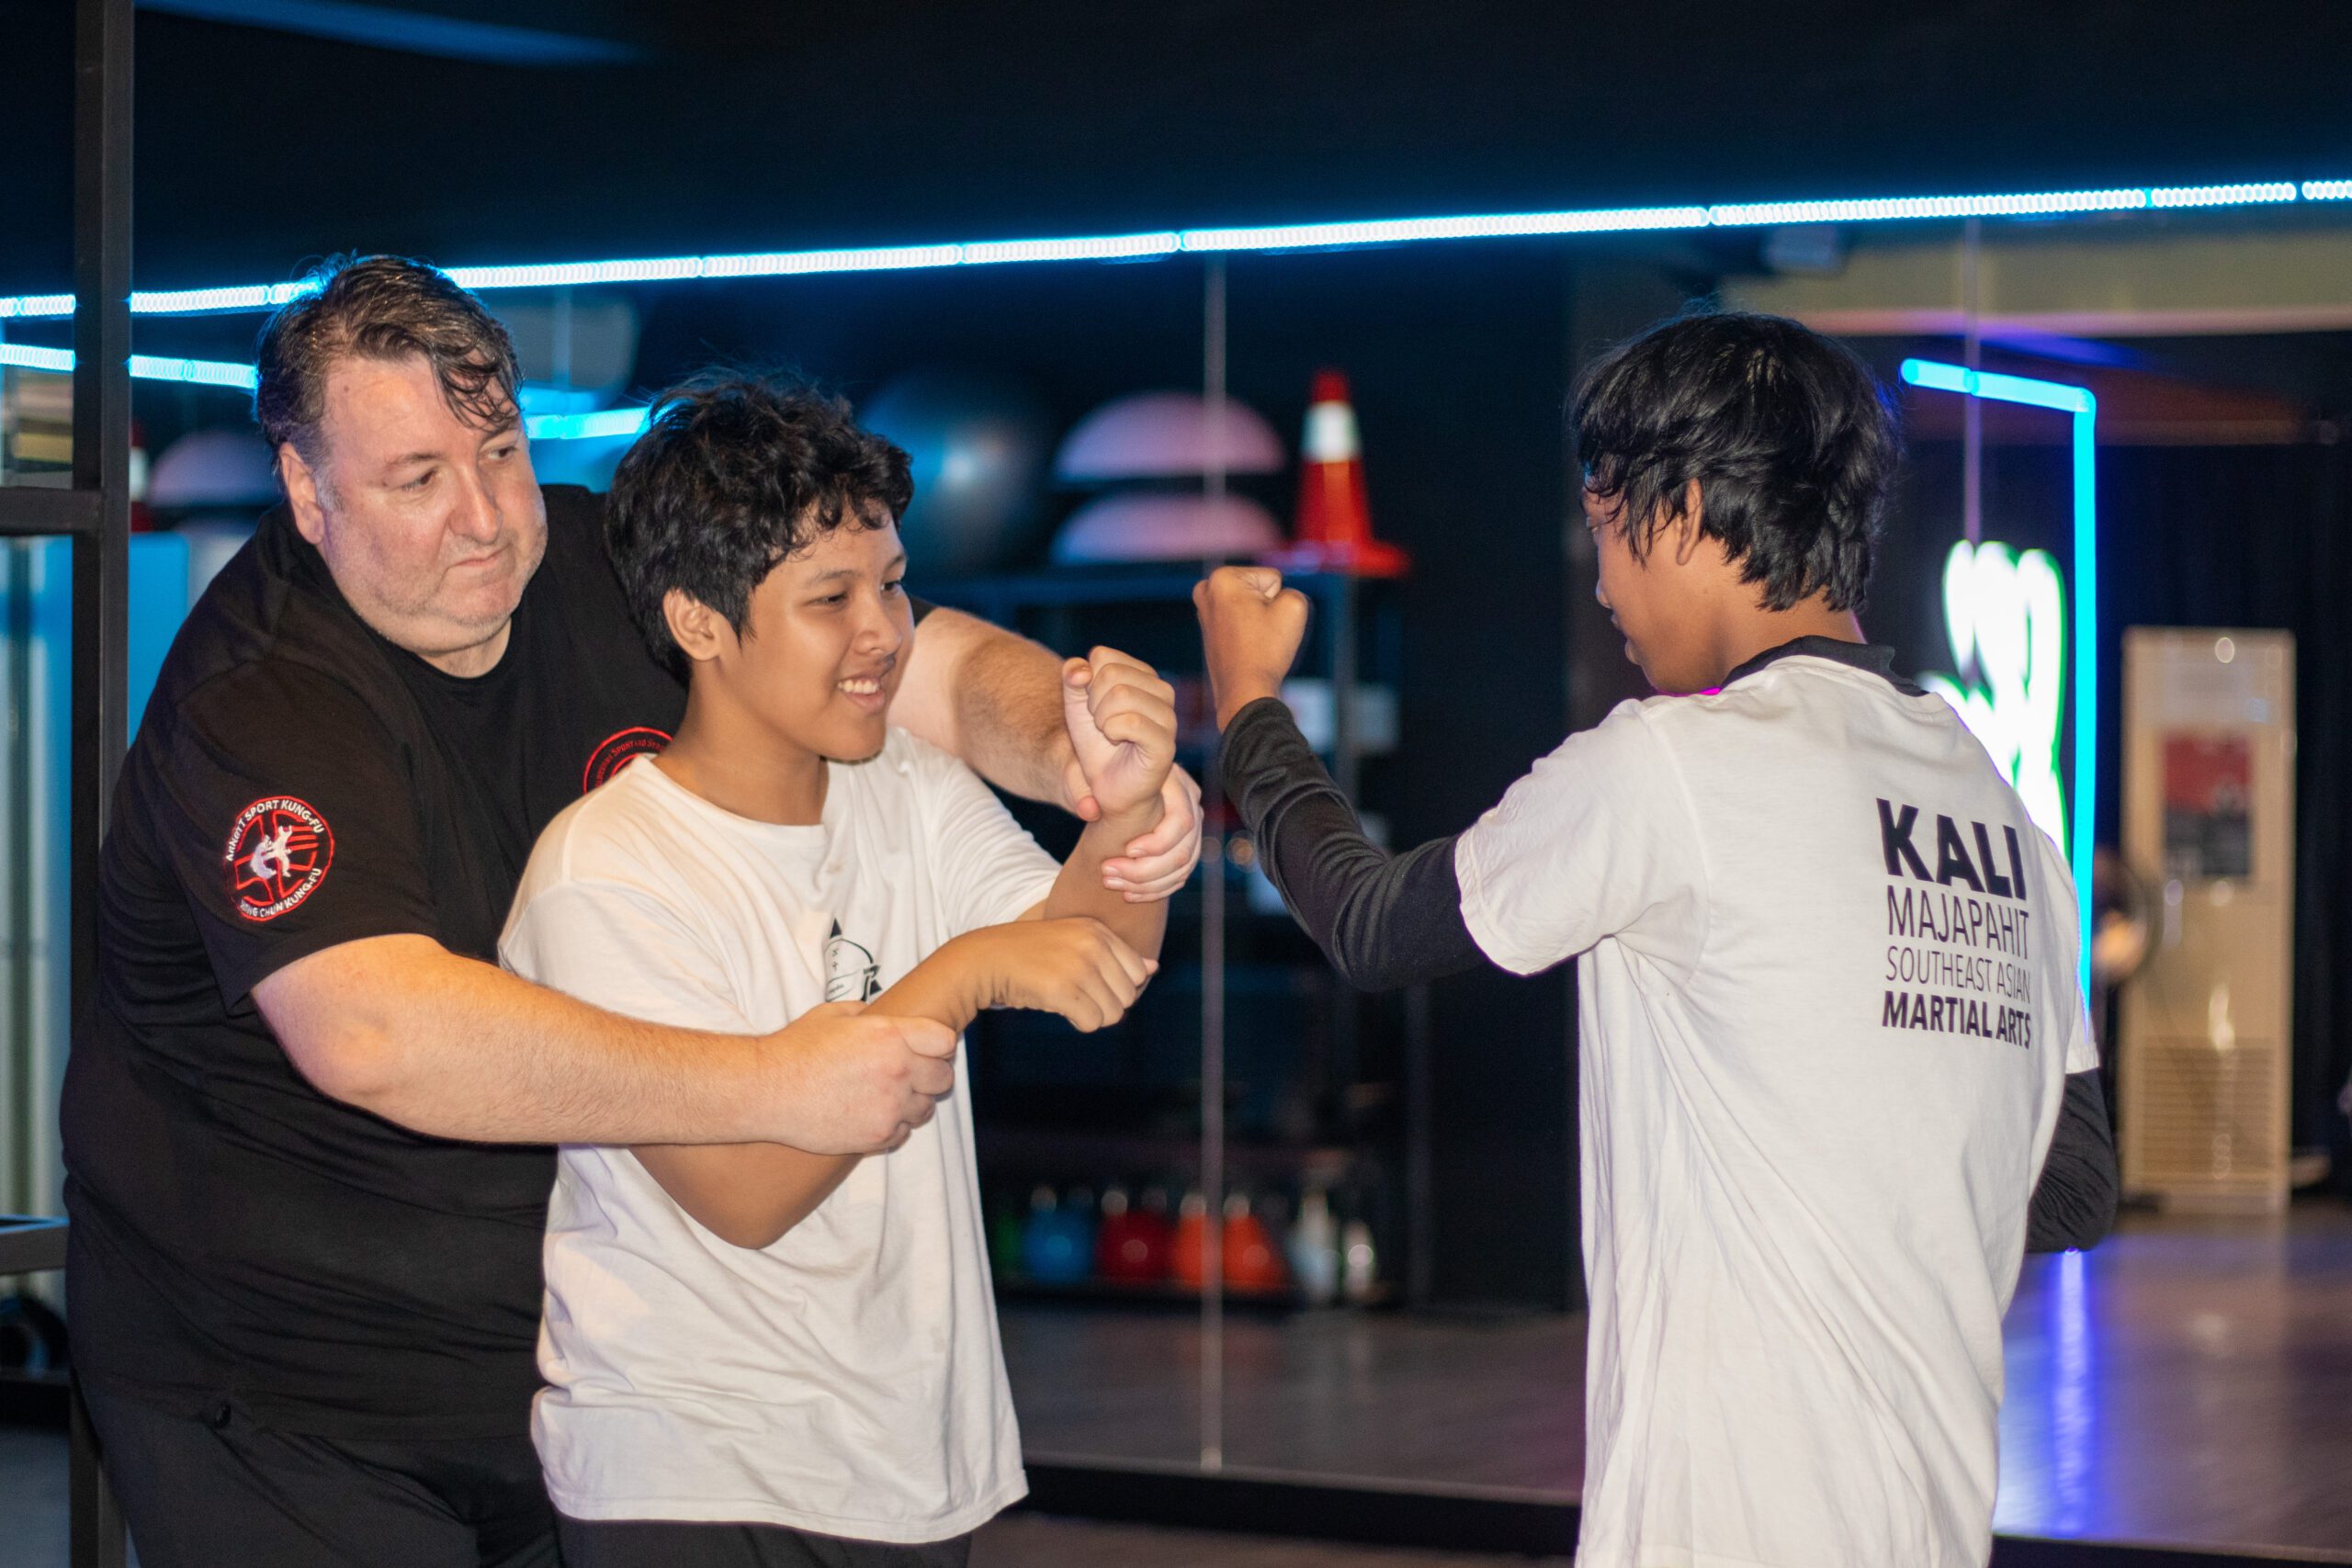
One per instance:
(96, 514)
(101, 108)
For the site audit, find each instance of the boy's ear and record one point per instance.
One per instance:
(1688, 529)
(700, 632)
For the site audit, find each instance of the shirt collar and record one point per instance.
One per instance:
(1871, 658)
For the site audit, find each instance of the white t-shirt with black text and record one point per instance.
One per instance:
(847, 1380)
(1828, 983)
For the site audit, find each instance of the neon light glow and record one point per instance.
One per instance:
(586, 426)
(144, 366)
(2005, 615)
(608, 423)
(27, 357)
(36, 305)
(2222, 196)
(2078, 402)
(1278, 237)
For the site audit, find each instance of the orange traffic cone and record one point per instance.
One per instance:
(1334, 519)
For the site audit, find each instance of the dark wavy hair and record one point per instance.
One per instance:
(385, 308)
(1791, 439)
(735, 474)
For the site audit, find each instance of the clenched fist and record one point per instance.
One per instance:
(1122, 720)
(1250, 629)
(850, 1081)
(1076, 968)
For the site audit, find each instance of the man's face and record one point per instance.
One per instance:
(824, 644)
(1658, 600)
(430, 524)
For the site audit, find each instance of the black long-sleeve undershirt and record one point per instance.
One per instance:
(1387, 920)
(1383, 920)
(2073, 1200)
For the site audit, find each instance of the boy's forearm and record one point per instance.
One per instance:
(945, 988)
(752, 1194)
(1078, 889)
(992, 698)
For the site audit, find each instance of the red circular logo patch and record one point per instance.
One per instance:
(616, 751)
(278, 854)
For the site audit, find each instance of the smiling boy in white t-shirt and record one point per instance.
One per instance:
(758, 1356)
(1834, 1071)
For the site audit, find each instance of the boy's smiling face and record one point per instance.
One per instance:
(824, 643)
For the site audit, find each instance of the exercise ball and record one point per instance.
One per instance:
(980, 444)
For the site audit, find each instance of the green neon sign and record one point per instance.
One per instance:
(2004, 614)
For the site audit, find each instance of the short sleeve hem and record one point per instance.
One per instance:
(238, 980)
(1484, 929)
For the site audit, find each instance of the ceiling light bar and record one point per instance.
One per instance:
(1278, 237)
(1898, 208)
(2222, 196)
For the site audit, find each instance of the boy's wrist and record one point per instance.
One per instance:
(1234, 695)
(1120, 828)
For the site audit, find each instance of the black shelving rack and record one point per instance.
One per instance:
(95, 513)
(1060, 606)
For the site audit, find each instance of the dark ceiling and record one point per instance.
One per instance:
(746, 127)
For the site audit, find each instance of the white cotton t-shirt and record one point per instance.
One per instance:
(1827, 994)
(848, 1380)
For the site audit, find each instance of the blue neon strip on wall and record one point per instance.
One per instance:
(607, 423)
(2079, 402)
(145, 366)
(1278, 237)
(586, 426)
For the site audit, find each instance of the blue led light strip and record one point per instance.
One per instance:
(145, 366)
(586, 426)
(1278, 237)
(2079, 402)
(607, 423)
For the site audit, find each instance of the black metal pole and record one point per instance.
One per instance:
(102, 77)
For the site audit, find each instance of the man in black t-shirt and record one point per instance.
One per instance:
(307, 1123)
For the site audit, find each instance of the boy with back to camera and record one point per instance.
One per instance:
(758, 1356)
(1808, 1180)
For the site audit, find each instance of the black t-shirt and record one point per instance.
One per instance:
(299, 782)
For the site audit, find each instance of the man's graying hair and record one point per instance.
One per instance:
(385, 308)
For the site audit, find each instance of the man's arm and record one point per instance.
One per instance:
(447, 1046)
(995, 700)
(2074, 1200)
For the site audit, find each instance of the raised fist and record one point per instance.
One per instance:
(1250, 629)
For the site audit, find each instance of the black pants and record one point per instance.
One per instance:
(633, 1543)
(204, 1494)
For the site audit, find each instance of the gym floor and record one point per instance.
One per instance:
(32, 1504)
(2186, 1384)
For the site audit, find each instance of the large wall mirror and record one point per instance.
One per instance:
(1268, 1228)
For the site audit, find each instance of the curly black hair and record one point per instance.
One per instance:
(380, 307)
(735, 474)
(1791, 439)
